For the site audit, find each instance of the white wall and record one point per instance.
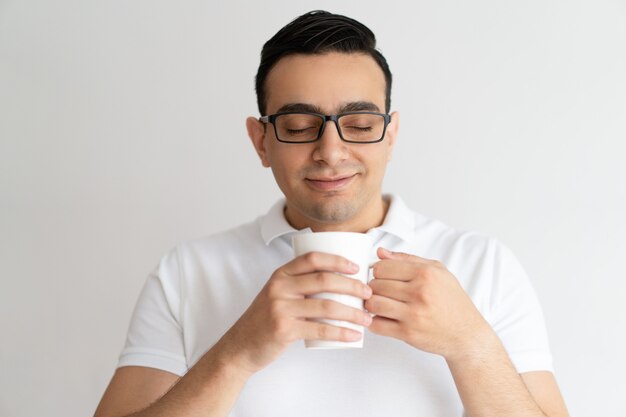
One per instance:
(122, 133)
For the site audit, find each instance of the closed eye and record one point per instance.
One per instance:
(298, 131)
(360, 128)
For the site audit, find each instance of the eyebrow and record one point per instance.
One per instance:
(299, 107)
(359, 106)
(310, 108)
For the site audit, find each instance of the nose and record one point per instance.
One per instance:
(329, 148)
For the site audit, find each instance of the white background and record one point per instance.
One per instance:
(122, 133)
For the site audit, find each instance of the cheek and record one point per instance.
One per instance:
(285, 163)
(376, 165)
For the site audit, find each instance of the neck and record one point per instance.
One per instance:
(374, 216)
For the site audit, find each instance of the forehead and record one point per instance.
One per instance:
(327, 81)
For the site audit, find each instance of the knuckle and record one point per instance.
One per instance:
(419, 294)
(323, 331)
(328, 306)
(312, 258)
(413, 291)
(428, 273)
(274, 287)
(425, 297)
(282, 329)
(323, 279)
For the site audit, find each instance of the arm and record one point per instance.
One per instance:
(276, 318)
(132, 388)
(213, 385)
(489, 385)
(420, 302)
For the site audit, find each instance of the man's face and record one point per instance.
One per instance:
(328, 184)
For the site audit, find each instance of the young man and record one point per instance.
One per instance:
(214, 329)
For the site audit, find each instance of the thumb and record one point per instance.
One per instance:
(401, 256)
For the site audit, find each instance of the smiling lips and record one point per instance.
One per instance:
(330, 184)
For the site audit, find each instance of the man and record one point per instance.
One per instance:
(214, 329)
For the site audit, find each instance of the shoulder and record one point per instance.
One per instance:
(468, 252)
(206, 249)
(243, 235)
(439, 238)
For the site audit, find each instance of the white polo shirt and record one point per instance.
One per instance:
(201, 287)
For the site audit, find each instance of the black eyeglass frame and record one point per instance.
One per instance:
(326, 117)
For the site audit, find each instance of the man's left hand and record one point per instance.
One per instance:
(419, 301)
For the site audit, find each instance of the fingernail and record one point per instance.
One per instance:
(367, 320)
(355, 336)
(353, 267)
(367, 291)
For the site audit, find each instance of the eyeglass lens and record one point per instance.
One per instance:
(301, 127)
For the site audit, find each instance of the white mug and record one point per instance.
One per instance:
(356, 247)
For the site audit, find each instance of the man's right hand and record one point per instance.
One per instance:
(278, 315)
(276, 318)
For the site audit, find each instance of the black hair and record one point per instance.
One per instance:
(319, 32)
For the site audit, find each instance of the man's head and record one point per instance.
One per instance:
(329, 183)
(315, 33)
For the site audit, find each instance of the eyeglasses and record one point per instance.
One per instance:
(353, 127)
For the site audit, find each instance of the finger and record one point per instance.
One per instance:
(401, 256)
(386, 307)
(320, 261)
(313, 308)
(321, 331)
(386, 327)
(395, 269)
(318, 282)
(391, 288)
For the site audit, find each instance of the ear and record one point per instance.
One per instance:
(256, 132)
(392, 131)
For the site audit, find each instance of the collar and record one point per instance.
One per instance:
(274, 224)
(399, 221)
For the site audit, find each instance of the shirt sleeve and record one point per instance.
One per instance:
(516, 315)
(155, 334)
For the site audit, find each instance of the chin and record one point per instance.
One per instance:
(333, 210)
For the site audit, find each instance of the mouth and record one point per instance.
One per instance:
(330, 183)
